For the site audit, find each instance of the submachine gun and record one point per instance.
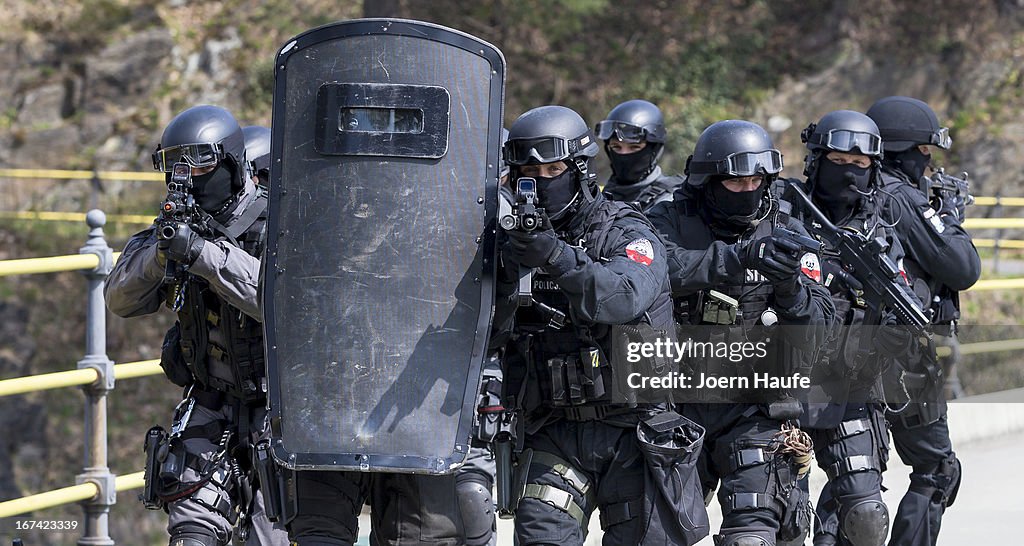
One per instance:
(947, 191)
(867, 261)
(179, 208)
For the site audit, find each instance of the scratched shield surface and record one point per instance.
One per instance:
(377, 288)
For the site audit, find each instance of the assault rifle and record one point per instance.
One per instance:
(868, 262)
(524, 214)
(179, 208)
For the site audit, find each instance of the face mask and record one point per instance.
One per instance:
(913, 163)
(632, 168)
(555, 194)
(214, 189)
(734, 207)
(839, 187)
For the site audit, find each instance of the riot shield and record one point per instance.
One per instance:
(378, 274)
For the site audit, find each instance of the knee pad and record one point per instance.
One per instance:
(744, 539)
(866, 523)
(194, 536)
(477, 509)
(950, 472)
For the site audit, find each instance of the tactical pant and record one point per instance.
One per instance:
(934, 481)
(758, 488)
(853, 456)
(208, 513)
(405, 509)
(578, 466)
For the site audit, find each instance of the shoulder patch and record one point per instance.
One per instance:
(810, 266)
(640, 251)
(937, 224)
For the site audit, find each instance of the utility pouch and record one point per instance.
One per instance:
(673, 500)
(718, 308)
(172, 361)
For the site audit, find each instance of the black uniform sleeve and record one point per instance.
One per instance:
(620, 288)
(693, 270)
(939, 244)
(135, 284)
(812, 310)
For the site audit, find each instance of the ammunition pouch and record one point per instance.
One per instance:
(579, 379)
(796, 516)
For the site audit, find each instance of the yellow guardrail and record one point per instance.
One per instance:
(67, 495)
(1004, 201)
(1001, 243)
(73, 216)
(62, 174)
(997, 284)
(994, 223)
(71, 378)
(51, 264)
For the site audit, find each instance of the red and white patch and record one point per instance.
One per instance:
(810, 266)
(640, 251)
(903, 272)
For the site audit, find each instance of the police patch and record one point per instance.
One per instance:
(937, 224)
(810, 266)
(640, 251)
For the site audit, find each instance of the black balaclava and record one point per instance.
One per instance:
(632, 168)
(556, 193)
(730, 208)
(838, 188)
(214, 190)
(912, 162)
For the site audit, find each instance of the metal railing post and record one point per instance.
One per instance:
(97, 510)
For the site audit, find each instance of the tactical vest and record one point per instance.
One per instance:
(571, 365)
(235, 364)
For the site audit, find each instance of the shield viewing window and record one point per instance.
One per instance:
(380, 119)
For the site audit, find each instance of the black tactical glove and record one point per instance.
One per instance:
(838, 280)
(184, 247)
(777, 258)
(892, 338)
(533, 248)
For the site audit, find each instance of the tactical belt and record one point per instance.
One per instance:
(856, 463)
(752, 501)
(850, 428)
(558, 498)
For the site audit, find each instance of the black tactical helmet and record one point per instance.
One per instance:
(904, 122)
(202, 136)
(257, 147)
(733, 148)
(548, 134)
(844, 131)
(633, 121)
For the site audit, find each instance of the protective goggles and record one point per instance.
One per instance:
(740, 164)
(842, 140)
(547, 149)
(196, 155)
(938, 138)
(626, 132)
